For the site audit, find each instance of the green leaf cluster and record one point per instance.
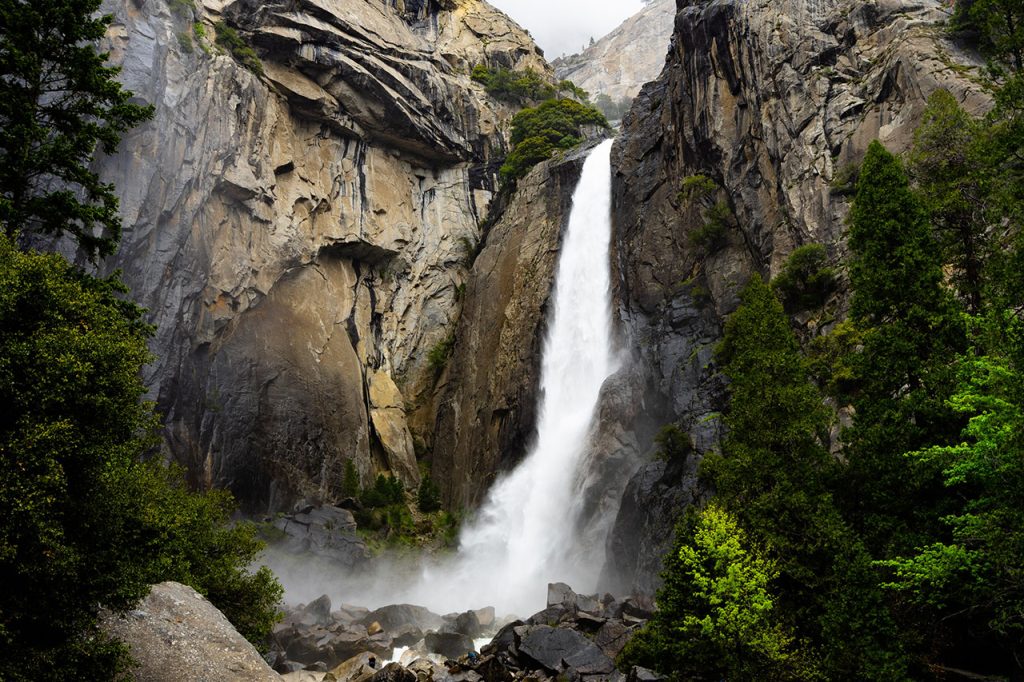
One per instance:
(84, 522)
(540, 131)
(519, 87)
(230, 40)
(805, 281)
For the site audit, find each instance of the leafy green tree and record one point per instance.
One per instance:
(428, 498)
(716, 615)
(805, 281)
(1000, 27)
(85, 523)
(59, 103)
(910, 331)
(350, 480)
(540, 131)
(973, 580)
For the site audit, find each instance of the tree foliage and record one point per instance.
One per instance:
(717, 617)
(59, 105)
(84, 522)
(538, 132)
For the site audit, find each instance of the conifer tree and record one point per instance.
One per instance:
(775, 475)
(59, 105)
(910, 331)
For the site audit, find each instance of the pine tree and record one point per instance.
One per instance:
(59, 104)
(949, 171)
(910, 333)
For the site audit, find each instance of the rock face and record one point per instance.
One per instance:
(300, 237)
(620, 63)
(771, 101)
(176, 634)
(487, 410)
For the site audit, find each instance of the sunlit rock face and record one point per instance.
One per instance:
(772, 101)
(620, 63)
(300, 237)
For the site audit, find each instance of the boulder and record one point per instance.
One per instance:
(557, 649)
(393, 672)
(395, 616)
(467, 624)
(317, 612)
(357, 668)
(448, 644)
(325, 532)
(175, 634)
(486, 617)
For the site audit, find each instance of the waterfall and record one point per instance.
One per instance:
(524, 534)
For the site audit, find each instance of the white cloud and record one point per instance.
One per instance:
(566, 26)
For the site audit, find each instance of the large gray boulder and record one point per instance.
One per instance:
(175, 634)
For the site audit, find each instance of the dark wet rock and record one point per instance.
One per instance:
(395, 616)
(393, 672)
(317, 612)
(506, 640)
(448, 644)
(612, 638)
(558, 648)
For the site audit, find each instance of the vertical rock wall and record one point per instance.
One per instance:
(771, 101)
(300, 236)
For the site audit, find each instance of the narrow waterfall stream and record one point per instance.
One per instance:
(523, 536)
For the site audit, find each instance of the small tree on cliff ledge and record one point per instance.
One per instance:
(59, 103)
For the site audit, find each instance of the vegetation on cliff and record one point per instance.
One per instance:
(538, 132)
(897, 555)
(86, 521)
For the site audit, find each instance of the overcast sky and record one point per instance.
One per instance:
(566, 26)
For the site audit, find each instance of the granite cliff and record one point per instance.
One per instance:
(298, 221)
(772, 102)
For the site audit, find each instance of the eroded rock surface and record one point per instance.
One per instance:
(300, 237)
(771, 101)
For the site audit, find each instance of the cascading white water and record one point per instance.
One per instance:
(523, 535)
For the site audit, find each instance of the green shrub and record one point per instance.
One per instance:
(438, 356)
(539, 131)
(514, 86)
(805, 282)
(673, 443)
(711, 236)
(429, 497)
(350, 480)
(696, 187)
(386, 490)
(229, 39)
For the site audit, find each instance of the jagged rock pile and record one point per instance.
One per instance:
(576, 637)
(325, 531)
(315, 637)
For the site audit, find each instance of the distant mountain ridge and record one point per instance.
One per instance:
(620, 63)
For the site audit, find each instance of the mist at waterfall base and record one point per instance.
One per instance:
(525, 533)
